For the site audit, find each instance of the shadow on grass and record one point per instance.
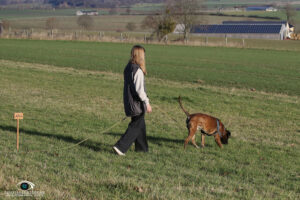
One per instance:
(95, 146)
(165, 141)
(153, 139)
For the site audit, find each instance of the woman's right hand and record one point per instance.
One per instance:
(149, 108)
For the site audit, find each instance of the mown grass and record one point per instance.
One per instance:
(264, 70)
(65, 105)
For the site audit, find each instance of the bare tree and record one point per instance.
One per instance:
(297, 28)
(5, 24)
(1, 29)
(185, 13)
(85, 21)
(128, 10)
(162, 24)
(52, 23)
(150, 21)
(290, 12)
(113, 11)
(131, 26)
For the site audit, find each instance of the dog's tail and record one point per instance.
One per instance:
(186, 112)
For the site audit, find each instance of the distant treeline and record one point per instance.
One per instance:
(99, 3)
(82, 3)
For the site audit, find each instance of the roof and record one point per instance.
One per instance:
(88, 11)
(179, 28)
(223, 29)
(254, 22)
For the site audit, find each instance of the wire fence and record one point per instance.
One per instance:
(127, 37)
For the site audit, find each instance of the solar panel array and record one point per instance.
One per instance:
(257, 8)
(254, 22)
(227, 29)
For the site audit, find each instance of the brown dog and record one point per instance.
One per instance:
(207, 124)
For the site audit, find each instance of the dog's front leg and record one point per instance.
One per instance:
(218, 141)
(202, 140)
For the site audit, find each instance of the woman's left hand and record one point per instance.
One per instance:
(149, 108)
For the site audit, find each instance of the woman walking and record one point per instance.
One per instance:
(136, 103)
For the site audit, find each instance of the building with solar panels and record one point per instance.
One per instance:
(273, 30)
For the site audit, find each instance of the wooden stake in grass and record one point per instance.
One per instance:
(18, 116)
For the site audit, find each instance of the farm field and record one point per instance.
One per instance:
(283, 45)
(119, 22)
(32, 13)
(230, 67)
(280, 15)
(101, 23)
(36, 19)
(232, 3)
(69, 91)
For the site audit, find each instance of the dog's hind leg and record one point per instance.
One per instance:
(192, 132)
(194, 142)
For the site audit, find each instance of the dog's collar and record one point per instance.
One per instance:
(218, 129)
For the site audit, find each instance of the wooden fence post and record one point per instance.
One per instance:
(51, 34)
(1, 29)
(18, 116)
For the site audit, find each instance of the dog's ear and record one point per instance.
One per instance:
(228, 133)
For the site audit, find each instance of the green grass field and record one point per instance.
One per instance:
(270, 71)
(32, 13)
(69, 91)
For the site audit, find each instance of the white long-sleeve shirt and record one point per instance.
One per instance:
(138, 81)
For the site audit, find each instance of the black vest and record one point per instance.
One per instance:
(132, 103)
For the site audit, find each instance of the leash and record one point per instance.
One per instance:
(177, 123)
(82, 141)
(72, 146)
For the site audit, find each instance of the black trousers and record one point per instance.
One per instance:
(136, 132)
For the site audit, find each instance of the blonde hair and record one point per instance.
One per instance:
(138, 57)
